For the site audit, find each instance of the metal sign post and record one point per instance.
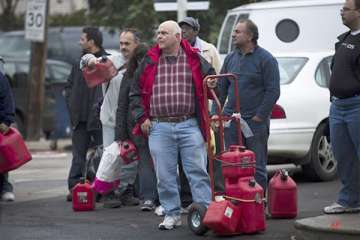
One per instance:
(181, 6)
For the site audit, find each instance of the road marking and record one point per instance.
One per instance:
(49, 154)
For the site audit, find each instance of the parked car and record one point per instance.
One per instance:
(63, 43)
(301, 115)
(287, 25)
(55, 119)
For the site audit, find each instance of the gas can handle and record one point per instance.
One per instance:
(284, 174)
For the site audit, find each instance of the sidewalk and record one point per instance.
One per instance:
(329, 227)
(44, 145)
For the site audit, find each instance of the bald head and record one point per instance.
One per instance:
(172, 26)
(169, 37)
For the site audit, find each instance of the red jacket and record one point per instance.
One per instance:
(141, 91)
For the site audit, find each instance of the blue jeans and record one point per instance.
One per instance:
(258, 144)
(129, 171)
(166, 141)
(345, 142)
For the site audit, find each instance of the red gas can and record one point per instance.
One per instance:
(282, 197)
(237, 162)
(101, 72)
(222, 217)
(250, 196)
(13, 151)
(128, 152)
(83, 197)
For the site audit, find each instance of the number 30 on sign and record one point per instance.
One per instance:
(35, 20)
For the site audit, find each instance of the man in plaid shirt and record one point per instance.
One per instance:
(167, 103)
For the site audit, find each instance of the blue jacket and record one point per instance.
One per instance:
(7, 105)
(259, 83)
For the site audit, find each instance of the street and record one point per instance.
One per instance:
(41, 212)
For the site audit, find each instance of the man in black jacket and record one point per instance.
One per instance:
(80, 100)
(344, 117)
(7, 117)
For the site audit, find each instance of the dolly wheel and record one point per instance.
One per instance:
(195, 219)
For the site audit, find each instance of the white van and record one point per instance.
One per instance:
(290, 25)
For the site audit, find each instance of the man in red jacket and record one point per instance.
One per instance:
(167, 103)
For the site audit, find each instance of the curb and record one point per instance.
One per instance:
(329, 227)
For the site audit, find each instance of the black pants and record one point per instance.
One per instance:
(82, 140)
(5, 185)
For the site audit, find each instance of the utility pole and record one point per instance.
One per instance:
(36, 31)
(182, 9)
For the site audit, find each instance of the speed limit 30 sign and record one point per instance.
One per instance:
(35, 20)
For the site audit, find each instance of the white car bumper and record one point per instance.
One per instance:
(290, 142)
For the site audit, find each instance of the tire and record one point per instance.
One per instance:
(195, 219)
(322, 165)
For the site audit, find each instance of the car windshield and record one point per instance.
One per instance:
(289, 68)
(12, 45)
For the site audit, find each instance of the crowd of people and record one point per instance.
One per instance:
(155, 99)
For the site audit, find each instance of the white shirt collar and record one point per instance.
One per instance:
(355, 32)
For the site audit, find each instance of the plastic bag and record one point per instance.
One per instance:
(108, 174)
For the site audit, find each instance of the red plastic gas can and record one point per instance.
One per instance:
(222, 217)
(282, 197)
(83, 197)
(251, 205)
(13, 151)
(98, 74)
(128, 152)
(237, 162)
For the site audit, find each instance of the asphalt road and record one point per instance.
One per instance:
(41, 212)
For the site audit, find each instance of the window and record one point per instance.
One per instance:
(10, 70)
(14, 45)
(287, 30)
(59, 72)
(226, 34)
(289, 67)
(323, 72)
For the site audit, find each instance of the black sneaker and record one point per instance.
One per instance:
(127, 198)
(147, 206)
(111, 201)
(69, 197)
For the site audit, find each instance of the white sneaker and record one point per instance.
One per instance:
(160, 211)
(336, 208)
(8, 197)
(185, 210)
(170, 222)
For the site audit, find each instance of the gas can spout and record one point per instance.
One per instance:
(284, 175)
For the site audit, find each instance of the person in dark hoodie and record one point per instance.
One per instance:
(80, 101)
(7, 117)
(125, 122)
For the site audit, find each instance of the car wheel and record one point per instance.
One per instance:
(322, 165)
(195, 219)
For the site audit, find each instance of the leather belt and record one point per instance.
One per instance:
(172, 119)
